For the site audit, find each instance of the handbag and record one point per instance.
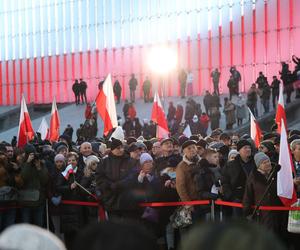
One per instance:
(294, 219)
(182, 217)
(8, 194)
(29, 195)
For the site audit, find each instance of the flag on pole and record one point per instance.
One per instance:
(44, 129)
(26, 132)
(285, 184)
(158, 116)
(54, 122)
(68, 171)
(106, 106)
(187, 131)
(255, 131)
(280, 112)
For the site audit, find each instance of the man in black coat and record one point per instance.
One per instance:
(117, 90)
(83, 87)
(110, 175)
(132, 87)
(76, 89)
(275, 90)
(215, 75)
(146, 89)
(235, 174)
(207, 102)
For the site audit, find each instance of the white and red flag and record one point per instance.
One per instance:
(106, 106)
(69, 171)
(54, 123)
(255, 131)
(158, 116)
(285, 185)
(44, 129)
(26, 132)
(280, 111)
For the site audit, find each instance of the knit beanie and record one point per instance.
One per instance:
(145, 157)
(259, 158)
(91, 159)
(232, 152)
(242, 143)
(268, 144)
(59, 157)
(115, 143)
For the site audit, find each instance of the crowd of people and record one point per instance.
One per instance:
(122, 174)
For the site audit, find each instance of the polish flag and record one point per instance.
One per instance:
(26, 132)
(44, 129)
(285, 185)
(54, 122)
(158, 116)
(106, 106)
(255, 131)
(69, 171)
(280, 112)
(187, 131)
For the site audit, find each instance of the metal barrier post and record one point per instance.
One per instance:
(212, 210)
(221, 213)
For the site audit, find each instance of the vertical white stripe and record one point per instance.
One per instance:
(64, 27)
(19, 4)
(88, 23)
(80, 25)
(242, 7)
(122, 23)
(97, 24)
(49, 28)
(188, 17)
(113, 39)
(41, 28)
(209, 15)
(220, 12)
(5, 8)
(72, 26)
(56, 28)
(230, 10)
(13, 32)
(178, 18)
(26, 10)
(130, 22)
(104, 24)
(140, 23)
(33, 28)
(253, 4)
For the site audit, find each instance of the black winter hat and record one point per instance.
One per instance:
(29, 148)
(242, 143)
(182, 139)
(194, 138)
(188, 143)
(166, 140)
(202, 143)
(130, 140)
(58, 146)
(115, 143)
(268, 144)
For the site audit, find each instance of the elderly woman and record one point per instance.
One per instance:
(257, 183)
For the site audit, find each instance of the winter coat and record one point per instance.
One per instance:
(117, 88)
(229, 111)
(255, 188)
(205, 178)
(179, 113)
(241, 109)
(146, 86)
(76, 88)
(110, 173)
(82, 87)
(71, 215)
(171, 113)
(133, 83)
(128, 127)
(185, 184)
(125, 109)
(35, 179)
(234, 178)
(275, 87)
(195, 127)
(266, 92)
(207, 101)
(215, 118)
(164, 161)
(132, 112)
(189, 112)
(204, 120)
(251, 97)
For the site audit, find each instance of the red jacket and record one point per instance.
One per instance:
(204, 120)
(131, 112)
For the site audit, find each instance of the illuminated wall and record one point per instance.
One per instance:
(45, 45)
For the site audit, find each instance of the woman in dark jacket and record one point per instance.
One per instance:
(256, 185)
(71, 215)
(35, 179)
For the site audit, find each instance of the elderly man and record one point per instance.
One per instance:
(110, 175)
(235, 174)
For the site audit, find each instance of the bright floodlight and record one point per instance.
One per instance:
(162, 60)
